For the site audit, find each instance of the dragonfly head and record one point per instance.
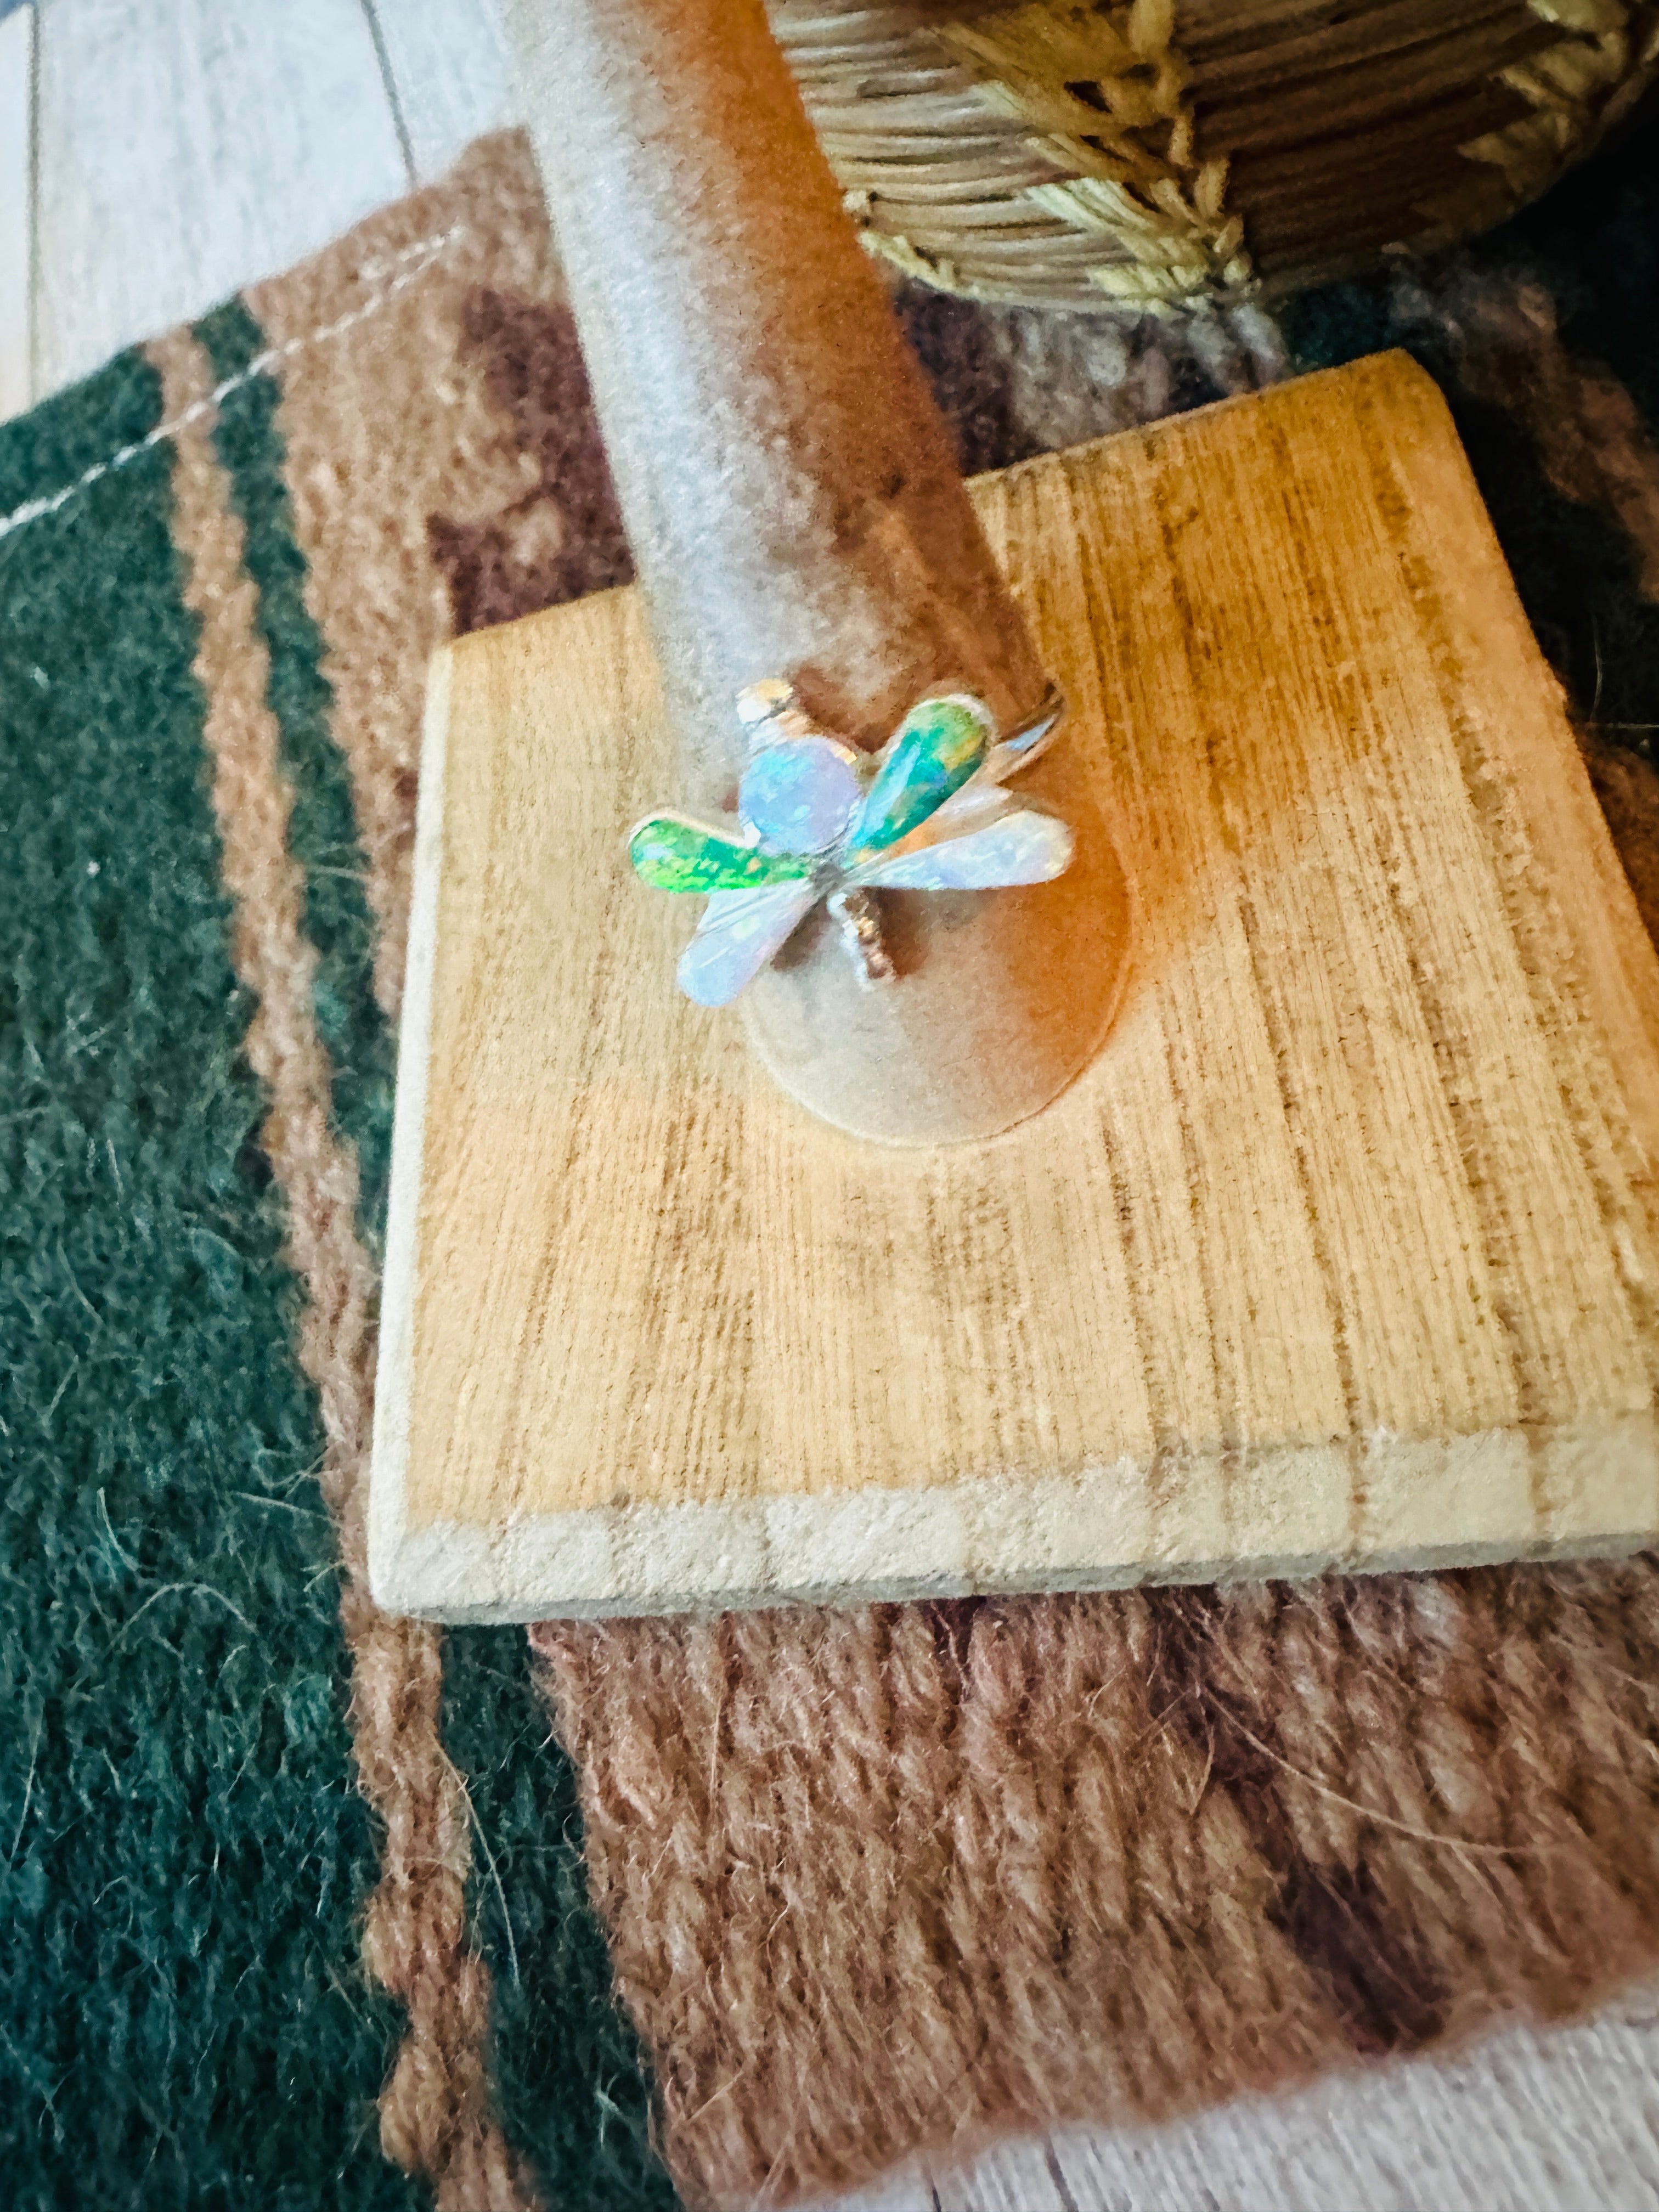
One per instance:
(801, 795)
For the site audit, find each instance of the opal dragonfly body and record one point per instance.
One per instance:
(819, 819)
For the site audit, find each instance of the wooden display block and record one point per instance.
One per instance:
(1344, 1254)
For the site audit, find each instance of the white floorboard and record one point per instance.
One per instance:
(1555, 2119)
(16, 35)
(451, 73)
(187, 147)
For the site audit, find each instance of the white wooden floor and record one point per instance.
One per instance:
(156, 154)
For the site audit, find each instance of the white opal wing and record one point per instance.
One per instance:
(1022, 846)
(979, 801)
(737, 935)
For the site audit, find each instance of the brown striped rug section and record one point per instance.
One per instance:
(386, 433)
(435, 2111)
(395, 438)
(1103, 1858)
(910, 1877)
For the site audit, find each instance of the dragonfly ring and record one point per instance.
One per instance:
(821, 819)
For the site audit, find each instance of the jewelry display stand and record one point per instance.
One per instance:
(1343, 1252)
(795, 511)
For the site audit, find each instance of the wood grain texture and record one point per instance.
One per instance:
(1343, 1252)
(16, 61)
(186, 149)
(451, 73)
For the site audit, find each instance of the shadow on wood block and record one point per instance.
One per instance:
(970, 1045)
(1345, 1251)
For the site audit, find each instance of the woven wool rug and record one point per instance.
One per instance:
(304, 1906)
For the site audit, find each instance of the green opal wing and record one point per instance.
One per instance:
(671, 852)
(934, 750)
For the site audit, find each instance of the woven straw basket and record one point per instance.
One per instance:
(1172, 152)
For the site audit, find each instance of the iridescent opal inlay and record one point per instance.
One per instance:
(934, 750)
(801, 793)
(672, 854)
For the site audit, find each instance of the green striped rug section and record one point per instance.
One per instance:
(186, 2017)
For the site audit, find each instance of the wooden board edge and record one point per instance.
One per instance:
(1045, 1533)
(395, 1368)
(1540, 763)
(1389, 365)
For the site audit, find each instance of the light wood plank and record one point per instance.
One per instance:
(905, 2194)
(1342, 1254)
(1560, 2117)
(452, 74)
(187, 151)
(17, 50)
(1016, 2176)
